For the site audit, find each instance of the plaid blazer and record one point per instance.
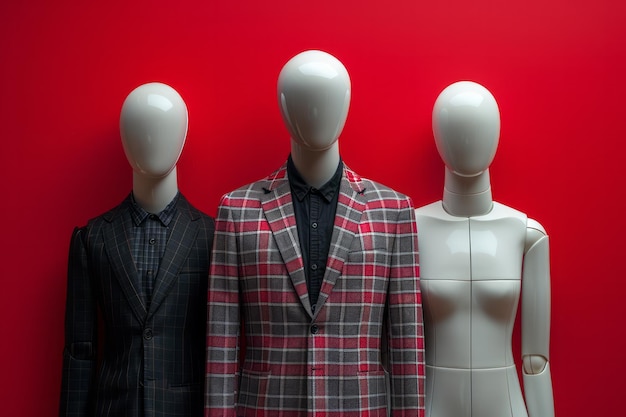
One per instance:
(151, 361)
(330, 362)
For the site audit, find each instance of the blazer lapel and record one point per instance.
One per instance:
(116, 243)
(278, 209)
(350, 206)
(182, 237)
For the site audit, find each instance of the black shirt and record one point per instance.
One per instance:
(315, 216)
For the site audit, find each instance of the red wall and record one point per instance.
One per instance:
(556, 68)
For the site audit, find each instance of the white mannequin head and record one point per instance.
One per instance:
(314, 97)
(466, 126)
(153, 126)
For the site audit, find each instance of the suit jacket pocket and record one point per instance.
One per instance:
(253, 388)
(365, 390)
(373, 386)
(182, 400)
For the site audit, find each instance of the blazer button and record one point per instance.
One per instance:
(314, 329)
(147, 334)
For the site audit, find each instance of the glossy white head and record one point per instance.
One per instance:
(466, 126)
(153, 126)
(314, 98)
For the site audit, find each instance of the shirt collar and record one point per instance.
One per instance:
(139, 215)
(300, 188)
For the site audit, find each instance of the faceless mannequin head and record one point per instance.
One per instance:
(153, 126)
(314, 97)
(466, 126)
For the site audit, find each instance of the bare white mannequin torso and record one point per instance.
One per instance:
(153, 126)
(314, 98)
(477, 257)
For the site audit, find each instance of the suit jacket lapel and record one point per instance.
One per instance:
(182, 237)
(117, 245)
(350, 207)
(278, 209)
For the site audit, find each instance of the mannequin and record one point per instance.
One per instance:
(314, 123)
(477, 257)
(153, 126)
(140, 269)
(310, 352)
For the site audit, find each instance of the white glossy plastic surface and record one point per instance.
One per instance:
(314, 97)
(477, 259)
(466, 126)
(153, 127)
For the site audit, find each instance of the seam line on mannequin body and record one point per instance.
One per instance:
(471, 290)
(491, 368)
(471, 280)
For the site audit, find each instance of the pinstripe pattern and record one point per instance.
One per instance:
(329, 363)
(152, 359)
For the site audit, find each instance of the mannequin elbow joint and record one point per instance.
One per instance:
(534, 364)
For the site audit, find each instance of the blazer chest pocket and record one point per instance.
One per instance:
(192, 283)
(366, 271)
(379, 256)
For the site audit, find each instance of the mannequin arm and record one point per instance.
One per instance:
(405, 322)
(79, 355)
(223, 319)
(536, 323)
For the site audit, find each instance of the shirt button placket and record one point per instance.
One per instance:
(314, 250)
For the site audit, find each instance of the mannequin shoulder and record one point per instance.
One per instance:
(94, 226)
(535, 232)
(107, 216)
(502, 215)
(500, 210)
(248, 195)
(377, 193)
(197, 214)
(252, 190)
(432, 211)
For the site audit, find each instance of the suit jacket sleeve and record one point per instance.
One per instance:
(79, 355)
(223, 319)
(404, 321)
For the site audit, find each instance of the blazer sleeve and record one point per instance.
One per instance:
(79, 354)
(223, 319)
(404, 320)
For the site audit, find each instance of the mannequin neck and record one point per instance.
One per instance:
(316, 167)
(467, 196)
(154, 194)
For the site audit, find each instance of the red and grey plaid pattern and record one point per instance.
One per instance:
(368, 321)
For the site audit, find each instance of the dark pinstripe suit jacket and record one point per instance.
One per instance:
(151, 361)
(327, 362)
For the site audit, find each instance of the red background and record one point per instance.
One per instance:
(556, 69)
